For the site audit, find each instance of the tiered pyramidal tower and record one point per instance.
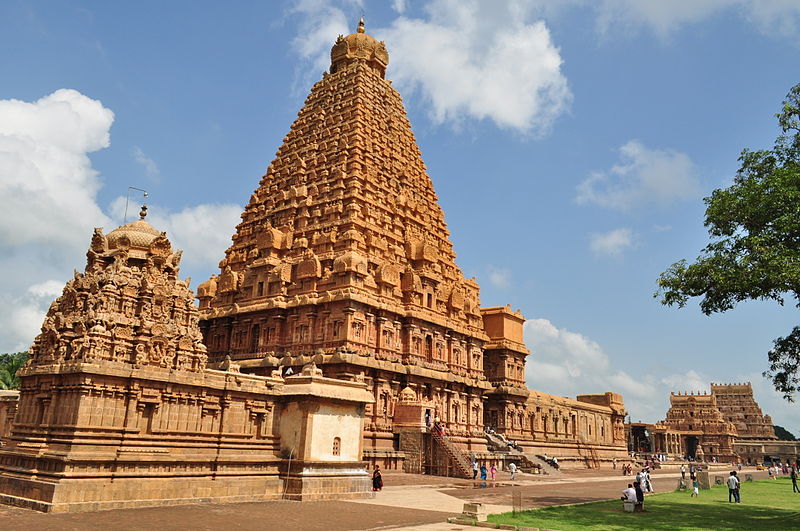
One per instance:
(343, 256)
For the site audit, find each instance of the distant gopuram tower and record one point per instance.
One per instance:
(736, 403)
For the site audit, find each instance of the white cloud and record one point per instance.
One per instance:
(771, 17)
(399, 5)
(202, 231)
(568, 363)
(612, 243)
(475, 60)
(500, 277)
(149, 165)
(47, 289)
(49, 192)
(320, 23)
(689, 381)
(48, 185)
(466, 59)
(661, 17)
(643, 177)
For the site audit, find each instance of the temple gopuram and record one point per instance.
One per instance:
(338, 334)
(725, 425)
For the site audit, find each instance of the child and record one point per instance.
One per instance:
(696, 486)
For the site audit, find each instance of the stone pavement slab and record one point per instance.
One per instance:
(424, 498)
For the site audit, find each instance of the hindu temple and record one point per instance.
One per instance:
(338, 306)
(724, 425)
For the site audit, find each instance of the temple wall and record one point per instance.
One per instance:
(8, 410)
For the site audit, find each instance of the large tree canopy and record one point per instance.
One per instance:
(754, 252)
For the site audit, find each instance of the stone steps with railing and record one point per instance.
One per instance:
(457, 457)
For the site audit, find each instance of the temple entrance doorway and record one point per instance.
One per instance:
(691, 446)
(639, 439)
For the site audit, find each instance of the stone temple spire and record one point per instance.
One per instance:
(347, 212)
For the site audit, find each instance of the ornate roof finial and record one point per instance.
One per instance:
(361, 25)
(143, 212)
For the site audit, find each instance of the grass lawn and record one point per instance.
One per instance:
(768, 504)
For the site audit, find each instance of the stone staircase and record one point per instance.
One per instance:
(498, 444)
(539, 462)
(461, 463)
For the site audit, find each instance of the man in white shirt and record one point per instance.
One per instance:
(512, 467)
(733, 488)
(629, 494)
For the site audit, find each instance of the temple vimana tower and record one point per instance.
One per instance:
(338, 333)
(343, 258)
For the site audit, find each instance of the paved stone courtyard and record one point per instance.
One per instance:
(407, 502)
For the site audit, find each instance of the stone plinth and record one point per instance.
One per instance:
(320, 428)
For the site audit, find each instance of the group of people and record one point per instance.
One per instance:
(491, 472)
(636, 490)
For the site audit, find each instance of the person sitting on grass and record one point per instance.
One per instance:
(629, 494)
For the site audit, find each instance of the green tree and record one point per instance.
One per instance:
(754, 253)
(9, 365)
(783, 434)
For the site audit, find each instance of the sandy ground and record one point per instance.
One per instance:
(407, 502)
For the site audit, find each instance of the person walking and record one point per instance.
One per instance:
(695, 488)
(493, 471)
(512, 467)
(483, 472)
(793, 475)
(377, 479)
(733, 487)
(683, 471)
(474, 468)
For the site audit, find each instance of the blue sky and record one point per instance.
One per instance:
(570, 143)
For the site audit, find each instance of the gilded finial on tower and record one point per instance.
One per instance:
(361, 25)
(143, 212)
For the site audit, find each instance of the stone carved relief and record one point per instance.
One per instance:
(127, 307)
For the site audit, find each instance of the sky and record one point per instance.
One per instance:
(571, 144)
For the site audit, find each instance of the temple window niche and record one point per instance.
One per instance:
(337, 446)
(358, 329)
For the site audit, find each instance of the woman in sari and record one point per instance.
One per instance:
(377, 479)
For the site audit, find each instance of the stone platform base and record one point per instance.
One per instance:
(306, 481)
(80, 495)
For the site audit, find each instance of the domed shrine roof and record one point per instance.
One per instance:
(136, 236)
(356, 46)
